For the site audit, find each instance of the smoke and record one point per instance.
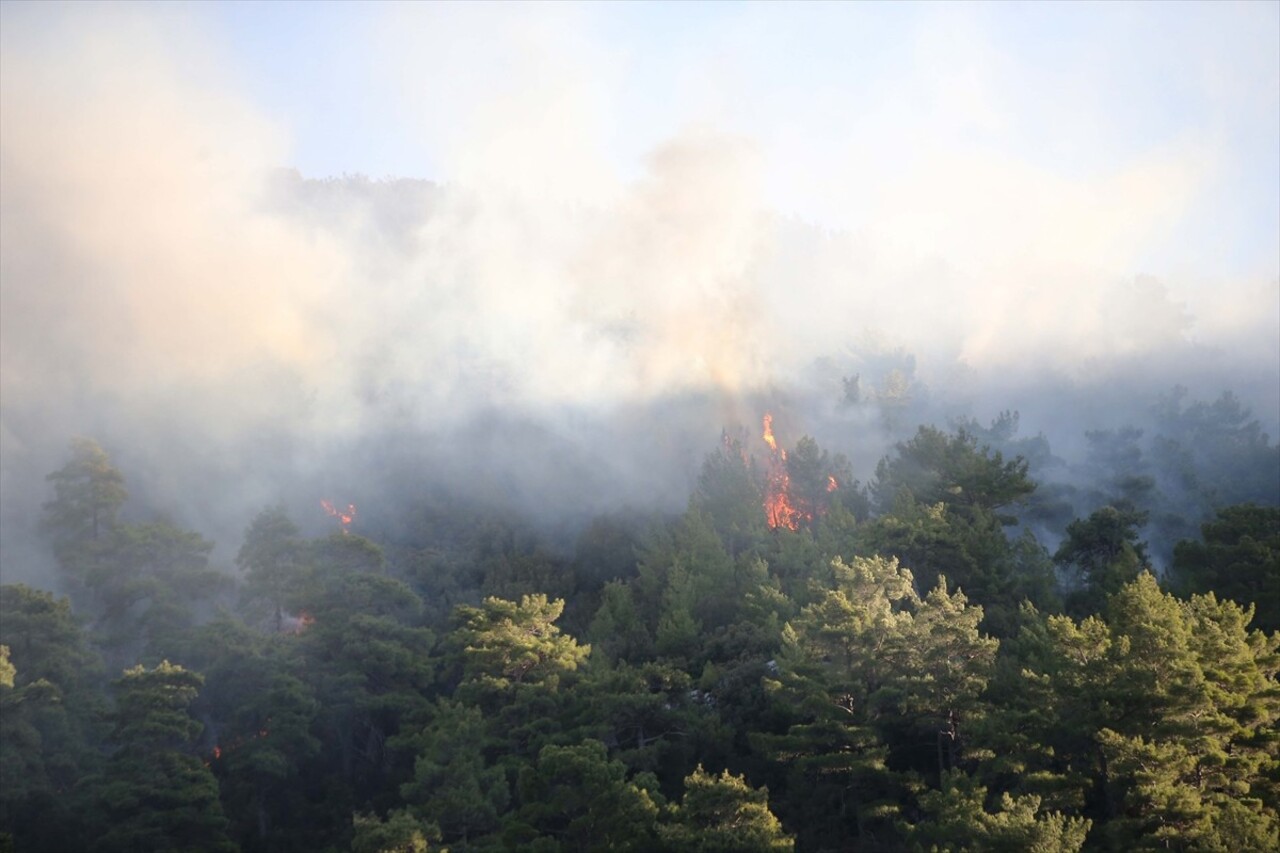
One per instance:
(571, 312)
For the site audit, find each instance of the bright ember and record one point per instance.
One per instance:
(345, 516)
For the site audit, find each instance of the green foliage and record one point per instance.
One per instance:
(956, 819)
(678, 629)
(148, 586)
(729, 494)
(49, 722)
(1119, 473)
(156, 795)
(344, 553)
(811, 472)
(1169, 707)
(940, 498)
(872, 672)
(400, 832)
(370, 668)
(151, 707)
(936, 467)
(1037, 701)
(272, 558)
(505, 643)
(722, 813)
(617, 630)
(265, 717)
(1101, 553)
(1235, 461)
(873, 701)
(575, 798)
(1239, 559)
(686, 568)
(88, 494)
(138, 583)
(453, 787)
(606, 551)
(652, 716)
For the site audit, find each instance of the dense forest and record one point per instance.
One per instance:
(665, 427)
(964, 653)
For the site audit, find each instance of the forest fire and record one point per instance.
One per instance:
(768, 435)
(236, 743)
(783, 507)
(344, 516)
(778, 508)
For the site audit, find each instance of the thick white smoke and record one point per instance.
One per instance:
(166, 287)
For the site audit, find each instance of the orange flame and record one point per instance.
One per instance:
(782, 508)
(236, 743)
(345, 517)
(778, 509)
(768, 433)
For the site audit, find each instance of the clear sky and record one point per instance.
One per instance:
(832, 95)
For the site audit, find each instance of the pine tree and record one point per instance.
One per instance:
(574, 798)
(454, 788)
(722, 814)
(956, 819)
(272, 559)
(50, 726)
(156, 795)
(505, 643)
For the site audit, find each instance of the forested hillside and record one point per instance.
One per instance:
(978, 649)
(665, 427)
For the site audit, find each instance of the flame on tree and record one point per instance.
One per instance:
(778, 509)
(783, 507)
(344, 516)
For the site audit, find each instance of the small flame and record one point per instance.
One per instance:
(832, 485)
(236, 743)
(345, 517)
(768, 433)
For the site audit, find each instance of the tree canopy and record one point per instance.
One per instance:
(909, 666)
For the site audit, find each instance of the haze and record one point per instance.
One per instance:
(597, 234)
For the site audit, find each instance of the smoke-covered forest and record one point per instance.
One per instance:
(796, 660)
(715, 427)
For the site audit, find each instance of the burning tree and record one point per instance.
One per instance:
(799, 485)
(344, 516)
